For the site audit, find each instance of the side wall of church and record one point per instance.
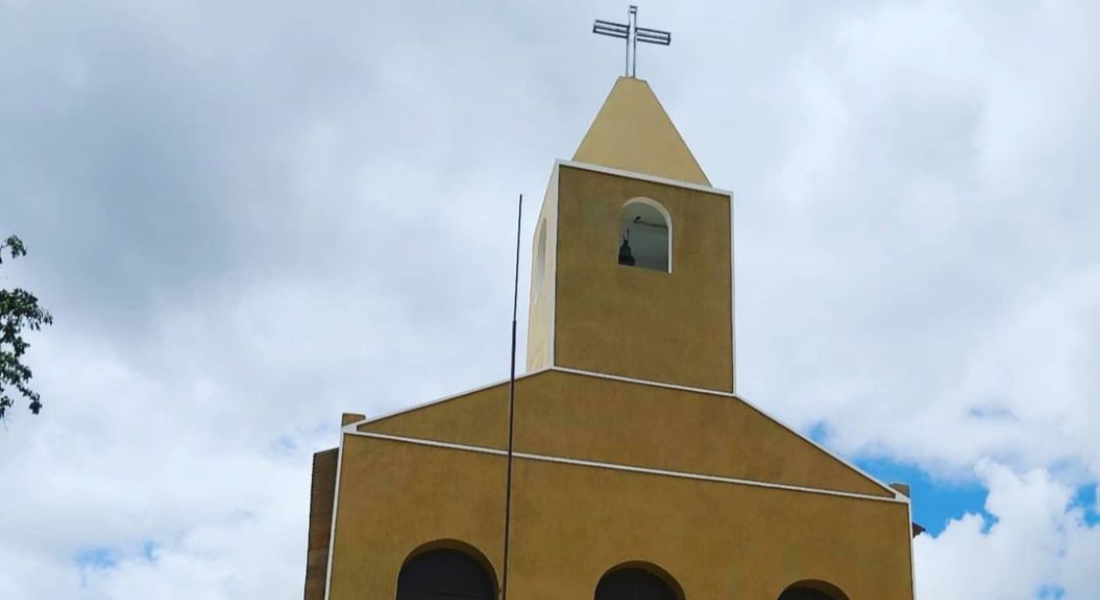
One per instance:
(540, 319)
(321, 497)
(571, 523)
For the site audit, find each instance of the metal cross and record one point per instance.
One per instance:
(632, 34)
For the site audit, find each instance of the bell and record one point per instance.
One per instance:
(625, 256)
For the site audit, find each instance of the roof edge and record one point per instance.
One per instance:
(354, 425)
(690, 185)
(885, 487)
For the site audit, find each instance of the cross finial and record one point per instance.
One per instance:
(632, 34)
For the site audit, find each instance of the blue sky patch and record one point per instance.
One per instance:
(1051, 592)
(147, 550)
(96, 558)
(934, 502)
(1086, 501)
(819, 432)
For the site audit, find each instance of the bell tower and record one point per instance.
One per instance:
(632, 269)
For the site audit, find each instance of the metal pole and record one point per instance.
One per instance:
(511, 413)
(634, 41)
(626, 67)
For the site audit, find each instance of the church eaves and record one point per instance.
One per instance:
(633, 132)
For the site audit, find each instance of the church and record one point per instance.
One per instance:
(633, 470)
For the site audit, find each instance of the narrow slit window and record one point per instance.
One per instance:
(539, 269)
(645, 236)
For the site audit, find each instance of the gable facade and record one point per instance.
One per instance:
(727, 501)
(631, 462)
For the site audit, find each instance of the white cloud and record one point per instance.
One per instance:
(1037, 546)
(957, 323)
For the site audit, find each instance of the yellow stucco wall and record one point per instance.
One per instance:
(572, 523)
(393, 497)
(673, 327)
(600, 419)
(543, 272)
(478, 418)
(321, 498)
(633, 132)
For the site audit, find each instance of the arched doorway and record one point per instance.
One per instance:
(637, 583)
(804, 594)
(813, 590)
(445, 574)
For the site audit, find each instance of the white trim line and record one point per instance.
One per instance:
(733, 298)
(555, 182)
(352, 427)
(659, 384)
(643, 176)
(626, 468)
(702, 477)
(762, 413)
(912, 565)
(335, 507)
(433, 443)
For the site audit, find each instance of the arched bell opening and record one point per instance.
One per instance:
(645, 235)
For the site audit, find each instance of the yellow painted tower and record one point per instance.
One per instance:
(638, 472)
(633, 188)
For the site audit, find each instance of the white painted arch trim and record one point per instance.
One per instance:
(660, 208)
(625, 468)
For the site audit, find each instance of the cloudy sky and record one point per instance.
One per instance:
(248, 217)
